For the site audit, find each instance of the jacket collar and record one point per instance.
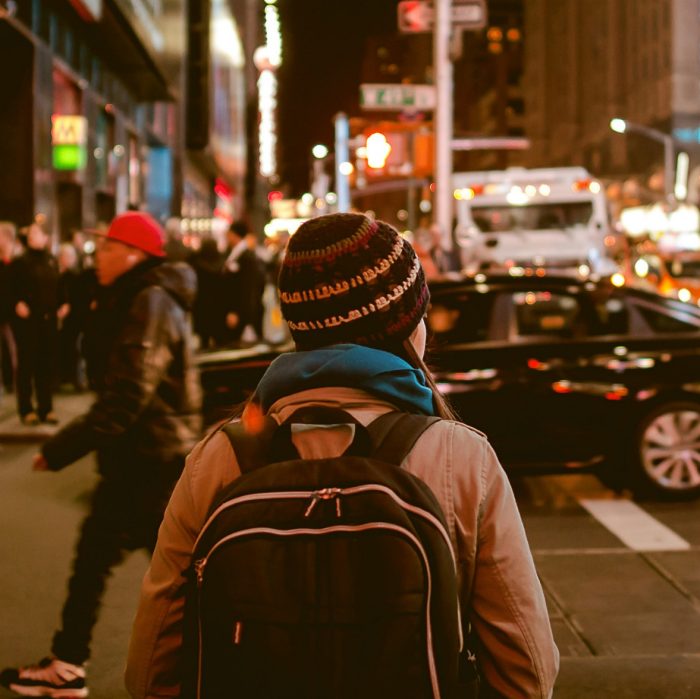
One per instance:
(363, 406)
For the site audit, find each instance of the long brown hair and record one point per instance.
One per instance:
(442, 405)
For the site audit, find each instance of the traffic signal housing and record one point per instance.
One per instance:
(378, 149)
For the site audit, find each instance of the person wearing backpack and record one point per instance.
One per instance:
(350, 529)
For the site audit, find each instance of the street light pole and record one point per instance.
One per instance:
(622, 126)
(342, 156)
(442, 67)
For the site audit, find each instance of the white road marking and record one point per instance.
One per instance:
(633, 526)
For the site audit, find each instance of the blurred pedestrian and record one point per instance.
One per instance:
(445, 260)
(354, 296)
(144, 420)
(275, 329)
(79, 287)
(8, 350)
(207, 312)
(243, 282)
(38, 303)
(175, 248)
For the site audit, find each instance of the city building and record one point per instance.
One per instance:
(488, 96)
(117, 104)
(589, 62)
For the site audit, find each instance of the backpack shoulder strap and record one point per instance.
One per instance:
(250, 449)
(395, 434)
(392, 435)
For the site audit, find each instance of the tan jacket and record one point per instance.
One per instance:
(499, 584)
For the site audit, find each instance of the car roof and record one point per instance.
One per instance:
(570, 283)
(508, 281)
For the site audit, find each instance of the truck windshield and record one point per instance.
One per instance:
(681, 268)
(550, 216)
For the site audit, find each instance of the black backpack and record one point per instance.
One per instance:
(325, 578)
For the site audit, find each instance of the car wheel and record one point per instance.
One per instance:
(667, 452)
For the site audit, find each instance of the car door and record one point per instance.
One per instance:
(561, 394)
(513, 380)
(484, 367)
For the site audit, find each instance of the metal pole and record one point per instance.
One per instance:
(442, 69)
(669, 168)
(668, 144)
(342, 155)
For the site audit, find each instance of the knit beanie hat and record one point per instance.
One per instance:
(347, 278)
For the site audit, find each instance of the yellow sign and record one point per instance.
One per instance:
(68, 130)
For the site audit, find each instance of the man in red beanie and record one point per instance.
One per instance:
(145, 419)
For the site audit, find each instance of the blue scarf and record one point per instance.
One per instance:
(380, 373)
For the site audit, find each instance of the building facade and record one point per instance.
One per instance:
(588, 62)
(95, 115)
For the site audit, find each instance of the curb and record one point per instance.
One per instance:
(12, 431)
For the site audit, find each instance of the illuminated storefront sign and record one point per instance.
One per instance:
(267, 104)
(227, 134)
(69, 138)
(267, 59)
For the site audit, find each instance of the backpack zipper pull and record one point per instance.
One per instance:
(324, 494)
(312, 505)
(199, 570)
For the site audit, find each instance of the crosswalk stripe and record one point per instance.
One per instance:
(633, 526)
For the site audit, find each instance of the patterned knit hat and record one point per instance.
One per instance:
(346, 278)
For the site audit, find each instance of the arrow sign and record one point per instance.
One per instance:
(418, 16)
(415, 16)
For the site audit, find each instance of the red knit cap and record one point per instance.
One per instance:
(347, 278)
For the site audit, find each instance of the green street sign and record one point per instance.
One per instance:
(396, 97)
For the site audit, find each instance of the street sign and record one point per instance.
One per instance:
(415, 16)
(396, 97)
(468, 14)
(418, 16)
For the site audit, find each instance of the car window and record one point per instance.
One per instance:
(611, 317)
(681, 268)
(460, 318)
(543, 313)
(662, 322)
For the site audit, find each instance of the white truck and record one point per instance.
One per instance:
(520, 218)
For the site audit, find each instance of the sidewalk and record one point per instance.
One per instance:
(66, 406)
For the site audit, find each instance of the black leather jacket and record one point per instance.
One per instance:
(148, 402)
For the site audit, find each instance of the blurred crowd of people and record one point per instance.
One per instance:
(47, 294)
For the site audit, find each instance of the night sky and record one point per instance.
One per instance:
(323, 47)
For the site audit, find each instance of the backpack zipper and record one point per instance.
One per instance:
(201, 563)
(199, 572)
(327, 494)
(336, 493)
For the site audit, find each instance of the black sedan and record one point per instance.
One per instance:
(562, 374)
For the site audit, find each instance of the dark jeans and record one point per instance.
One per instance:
(8, 357)
(37, 342)
(125, 514)
(71, 367)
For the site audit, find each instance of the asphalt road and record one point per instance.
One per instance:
(622, 581)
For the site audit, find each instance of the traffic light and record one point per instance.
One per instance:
(378, 149)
